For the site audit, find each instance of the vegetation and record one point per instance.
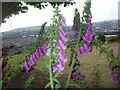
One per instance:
(93, 66)
(50, 48)
(16, 7)
(102, 38)
(114, 38)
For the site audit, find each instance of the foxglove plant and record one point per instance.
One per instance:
(114, 63)
(83, 35)
(32, 59)
(115, 70)
(56, 47)
(61, 46)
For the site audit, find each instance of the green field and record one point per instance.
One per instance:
(95, 68)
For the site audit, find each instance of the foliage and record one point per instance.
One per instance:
(16, 7)
(114, 38)
(102, 38)
(29, 81)
(53, 43)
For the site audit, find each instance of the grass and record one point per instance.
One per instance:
(95, 68)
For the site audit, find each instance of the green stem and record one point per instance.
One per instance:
(106, 52)
(69, 75)
(51, 78)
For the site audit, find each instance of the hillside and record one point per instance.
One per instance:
(21, 35)
(98, 27)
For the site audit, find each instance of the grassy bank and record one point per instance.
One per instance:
(95, 68)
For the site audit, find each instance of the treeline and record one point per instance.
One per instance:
(110, 39)
(114, 38)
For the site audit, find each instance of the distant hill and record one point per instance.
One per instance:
(106, 25)
(98, 27)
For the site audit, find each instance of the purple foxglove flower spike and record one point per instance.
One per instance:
(62, 45)
(44, 49)
(29, 64)
(54, 68)
(63, 21)
(63, 36)
(25, 74)
(82, 51)
(40, 52)
(90, 47)
(35, 59)
(62, 30)
(74, 28)
(46, 44)
(26, 66)
(86, 48)
(31, 60)
(48, 51)
(73, 76)
(59, 67)
(37, 54)
(90, 33)
(63, 39)
(86, 39)
(62, 57)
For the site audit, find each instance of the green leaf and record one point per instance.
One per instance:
(55, 80)
(75, 68)
(57, 86)
(108, 59)
(57, 75)
(101, 51)
(46, 66)
(111, 51)
(96, 48)
(74, 85)
(47, 85)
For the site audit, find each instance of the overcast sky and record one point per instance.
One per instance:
(101, 10)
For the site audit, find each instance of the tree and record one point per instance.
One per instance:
(102, 38)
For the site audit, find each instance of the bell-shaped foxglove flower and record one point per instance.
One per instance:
(63, 37)
(37, 54)
(62, 29)
(34, 57)
(62, 45)
(41, 52)
(74, 28)
(62, 57)
(26, 66)
(60, 67)
(82, 51)
(31, 60)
